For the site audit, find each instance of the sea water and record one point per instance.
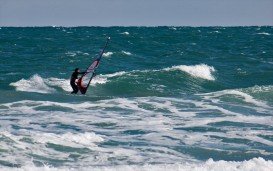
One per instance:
(164, 98)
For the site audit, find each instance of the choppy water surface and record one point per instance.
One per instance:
(165, 98)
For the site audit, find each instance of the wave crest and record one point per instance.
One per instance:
(201, 71)
(34, 84)
(45, 85)
(107, 54)
(126, 53)
(125, 33)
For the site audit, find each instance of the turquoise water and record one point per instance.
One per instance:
(164, 98)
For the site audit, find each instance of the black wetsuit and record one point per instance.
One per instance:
(73, 84)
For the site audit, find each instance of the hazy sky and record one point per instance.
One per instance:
(135, 12)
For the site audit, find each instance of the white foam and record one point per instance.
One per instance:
(13, 73)
(158, 123)
(216, 31)
(126, 53)
(264, 33)
(99, 80)
(257, 89)
(74, 53)
(71, 54)
(201, 71)
(34, 84)
(45, 85)
(107, 54)
(125, 33)
(210, 165)
(63, 83)
(102, 79)
(116, 74)
(70, 139)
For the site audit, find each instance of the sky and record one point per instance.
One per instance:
(136, 12)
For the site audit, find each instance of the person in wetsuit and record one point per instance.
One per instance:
(73, 79)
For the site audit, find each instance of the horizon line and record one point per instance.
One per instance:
(53, 26)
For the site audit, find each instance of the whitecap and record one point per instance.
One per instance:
(62, 83)
(264, 33)
(115, 74)
(257, 89)
(201, 71)
(125, 33)
(102, 79)
(216, 31)
(98, 80)
(107, 54)
(173, 28)
(34, 84)
(13, 73)
(45, 85)
(126, 53)
(65, 83)
(71, 54)
(74, 53)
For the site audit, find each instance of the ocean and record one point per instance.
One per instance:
(164, 98)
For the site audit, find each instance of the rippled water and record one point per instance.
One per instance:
(164, 98)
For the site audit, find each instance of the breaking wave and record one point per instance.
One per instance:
(34, 84)
(201, 71)
(46, 85)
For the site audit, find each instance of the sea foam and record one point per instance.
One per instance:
(210, 165)
(70, 139)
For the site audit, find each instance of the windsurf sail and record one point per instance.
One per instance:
(85, 80)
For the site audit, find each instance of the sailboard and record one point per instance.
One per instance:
(85, 80)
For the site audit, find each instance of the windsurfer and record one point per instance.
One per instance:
(73, 79)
